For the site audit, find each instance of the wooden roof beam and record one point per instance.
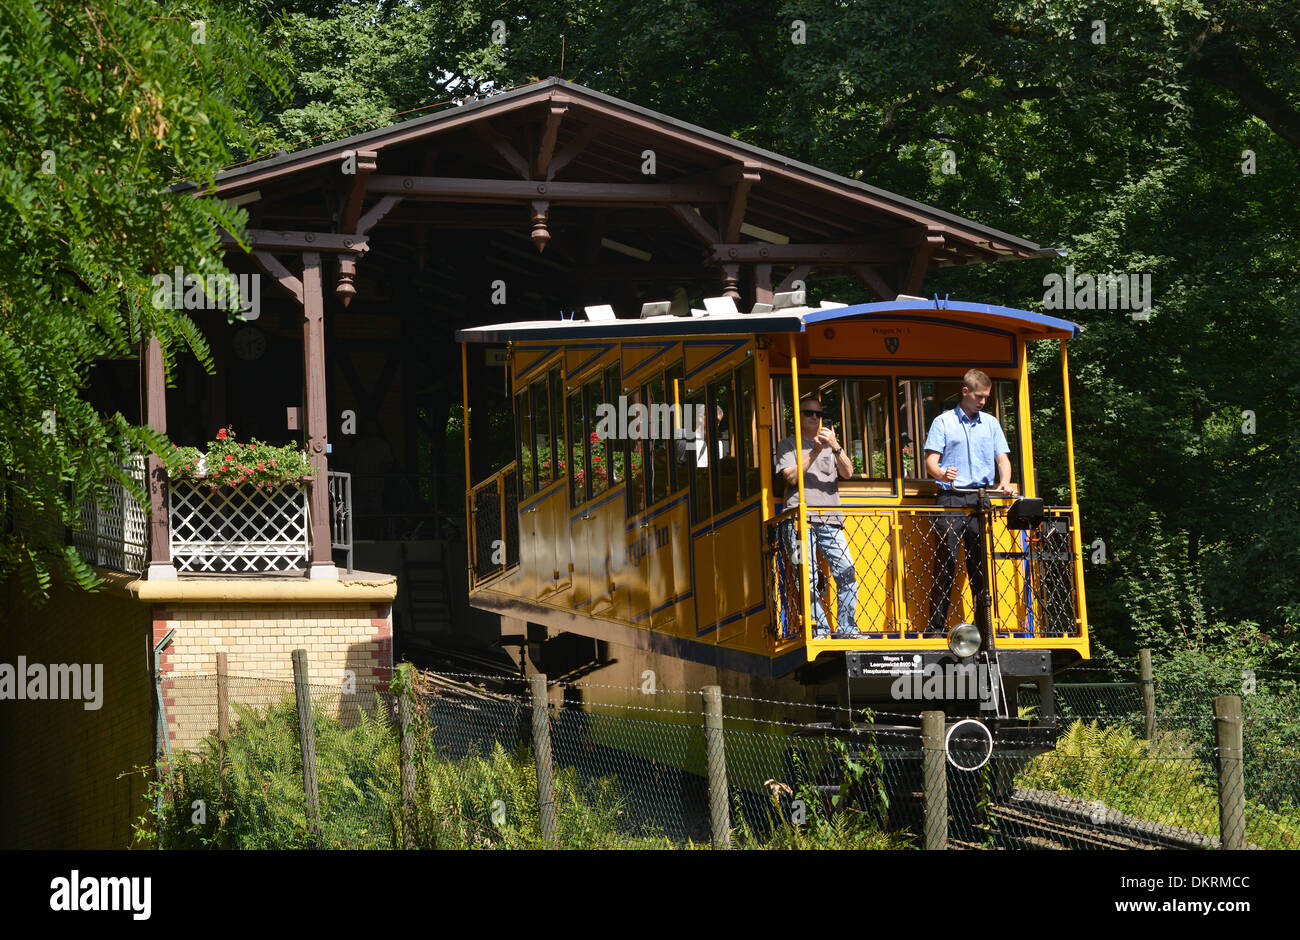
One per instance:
(366, 162)
(463, 189)
(742, 178)
(556, 108)
(861, 252)
(502, 148)
(266, 240)
(926, 242)
(695, 223)
(570, 150)
(871, 279)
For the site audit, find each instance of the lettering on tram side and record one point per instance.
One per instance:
(641, 546)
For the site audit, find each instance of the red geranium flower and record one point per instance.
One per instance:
(227, 458)
(261, 466)
(221, 435)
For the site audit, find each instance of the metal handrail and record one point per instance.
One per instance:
(896, 555)
(482, 506)
(340, 489)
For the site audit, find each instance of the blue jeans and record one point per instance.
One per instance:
(829, 544)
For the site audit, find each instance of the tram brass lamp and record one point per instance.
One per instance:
(964, 640)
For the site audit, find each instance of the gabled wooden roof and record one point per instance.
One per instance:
(749, 199)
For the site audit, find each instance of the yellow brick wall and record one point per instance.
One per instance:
(349, 650)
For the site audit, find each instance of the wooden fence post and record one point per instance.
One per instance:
(307, 744)
(934, 779)
(223, 722)
(715, 753)
(408, 767)
(542, 751)
(1148, 694)
(1232, 785)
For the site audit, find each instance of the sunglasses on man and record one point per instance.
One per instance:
(811, 411)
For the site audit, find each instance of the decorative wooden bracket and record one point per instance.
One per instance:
(556, 110)
(872, 280)
(927, 242)
(502, 148)
(742, 178)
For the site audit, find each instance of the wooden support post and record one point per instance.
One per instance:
(307, 745)
(223, 721)
(715, 752)
(160, 548)
(763, 292)
(408, 767)
(731, 281)
(934, 776)
(316, 421)
(1148, 694)
(223, 734)
(1232, 784)
(542, 751)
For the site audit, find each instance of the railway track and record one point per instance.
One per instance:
(1035, 819)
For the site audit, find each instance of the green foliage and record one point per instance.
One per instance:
(1164, 782)
(854, 817)
(483, 800)
(104, 105)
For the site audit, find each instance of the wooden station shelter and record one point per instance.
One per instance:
(524, 205)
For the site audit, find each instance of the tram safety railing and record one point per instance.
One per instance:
(494, 525)
(911, 573)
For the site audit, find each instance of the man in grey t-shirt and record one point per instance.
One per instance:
(824, 464)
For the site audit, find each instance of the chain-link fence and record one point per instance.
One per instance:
(451, 761)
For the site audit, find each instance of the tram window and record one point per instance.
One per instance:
(721, 409)
(578, 445)
(557, 423)
(923, 400)
(1006, 394)
(542, 454)
(858, 409)
(920, 402)
(867, 433)
(675, 392)
(524, 421)
(910, 438)
(636, 452)
(593, 394)
(658, 470)
(747, 423)
(693, 457)
(615, 446)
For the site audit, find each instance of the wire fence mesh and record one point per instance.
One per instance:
(630, 770)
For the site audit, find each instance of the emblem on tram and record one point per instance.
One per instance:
(891, 344)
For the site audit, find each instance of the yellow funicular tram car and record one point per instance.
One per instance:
(644, 511)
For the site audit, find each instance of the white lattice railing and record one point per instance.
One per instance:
(114, 533)
(239, 530)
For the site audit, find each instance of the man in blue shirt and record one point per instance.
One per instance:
(964, 449)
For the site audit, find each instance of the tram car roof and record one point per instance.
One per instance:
(1025, 323)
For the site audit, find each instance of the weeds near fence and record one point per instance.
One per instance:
(1164, 781)
(482, 800)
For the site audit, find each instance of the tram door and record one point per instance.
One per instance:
(725, 517)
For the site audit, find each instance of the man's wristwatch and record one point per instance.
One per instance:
(836, 450)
